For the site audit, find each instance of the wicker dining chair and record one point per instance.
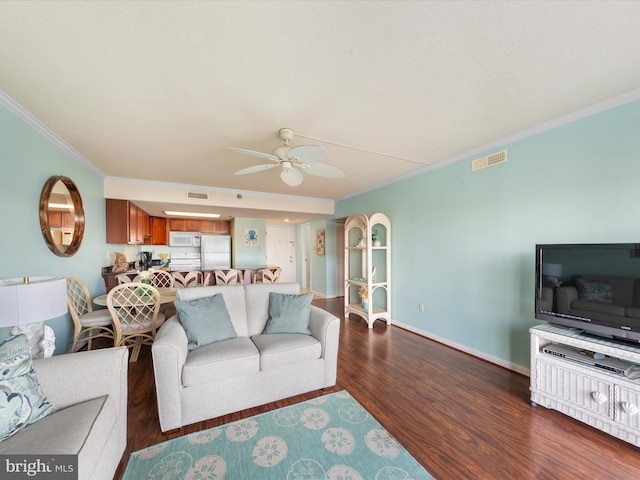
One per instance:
(187, 279)
(135, 310)
(228, 276)
(88, 323)
(162, 279)
(123, 278)
(267, 275)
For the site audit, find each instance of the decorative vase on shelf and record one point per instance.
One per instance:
(365, 304)
(374, 238)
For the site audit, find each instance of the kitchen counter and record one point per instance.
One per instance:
(109, 276)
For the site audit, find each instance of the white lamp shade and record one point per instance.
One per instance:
(43, 298)
(552, 269)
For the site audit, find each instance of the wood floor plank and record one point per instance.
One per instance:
(459, 416)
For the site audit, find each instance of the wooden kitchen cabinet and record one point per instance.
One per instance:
(177, 225)
(222, 226)
(185, 225)
(158, 231)
(215, 226)
(193, 225)
(55, 219)
(125, 222)
(207, 226)
(134, 226)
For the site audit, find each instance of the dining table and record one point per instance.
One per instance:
(167, 295)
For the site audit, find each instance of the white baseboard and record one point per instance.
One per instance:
(464, 348)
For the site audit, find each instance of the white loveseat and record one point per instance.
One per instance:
(242, 372)
(89, 392)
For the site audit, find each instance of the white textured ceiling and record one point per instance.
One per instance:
(157, 90)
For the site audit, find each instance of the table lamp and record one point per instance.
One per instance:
(551, 274)
(27, 302)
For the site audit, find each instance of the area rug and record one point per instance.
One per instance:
(330, 437)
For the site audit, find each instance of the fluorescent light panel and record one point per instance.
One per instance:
(193, 214)
(60, 205)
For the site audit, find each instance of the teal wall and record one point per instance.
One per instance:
(28, 159)
(463, 242)
(244, 255)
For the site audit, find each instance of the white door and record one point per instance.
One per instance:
(281, 250)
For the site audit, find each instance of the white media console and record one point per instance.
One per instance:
(601, 389)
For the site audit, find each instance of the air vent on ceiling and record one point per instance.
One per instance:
(203, 196)
(489, 160)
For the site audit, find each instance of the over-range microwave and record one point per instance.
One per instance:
(184, 239)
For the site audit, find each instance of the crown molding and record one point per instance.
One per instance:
(19, 111)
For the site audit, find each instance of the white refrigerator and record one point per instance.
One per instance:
(215, 251)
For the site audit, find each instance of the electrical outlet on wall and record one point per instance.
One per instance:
(421, 307)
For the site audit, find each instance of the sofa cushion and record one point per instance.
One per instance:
(283, 349)
(598, 291)
(205, 320)
(233, 299)
(82, 429)
(289, 313)
(608, 308)
(22, 401)
(216, 361)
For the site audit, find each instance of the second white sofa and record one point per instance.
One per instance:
(242, 372)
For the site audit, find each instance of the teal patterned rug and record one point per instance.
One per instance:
(328, 438)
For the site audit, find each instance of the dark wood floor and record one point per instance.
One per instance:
(460, 417)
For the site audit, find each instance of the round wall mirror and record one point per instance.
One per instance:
(61, 216)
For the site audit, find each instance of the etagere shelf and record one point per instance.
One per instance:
(368, 266)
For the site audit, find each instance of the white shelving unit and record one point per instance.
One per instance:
(368, 266)
(605, 400)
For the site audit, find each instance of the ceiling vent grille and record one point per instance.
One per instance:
(202, 196)
(489, 160)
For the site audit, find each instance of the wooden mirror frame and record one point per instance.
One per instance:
(78, 211)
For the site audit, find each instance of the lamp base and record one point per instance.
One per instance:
(42, 339)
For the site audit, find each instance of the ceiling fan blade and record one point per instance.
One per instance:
(268, 156)
(307, 153)
(292, 177)
(322, 170)
(256, 168)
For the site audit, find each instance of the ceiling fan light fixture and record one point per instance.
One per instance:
(293, 161)
(292, 177)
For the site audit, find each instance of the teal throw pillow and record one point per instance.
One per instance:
(601, 292)
(205, 320)
(22, 401)
(289, 313)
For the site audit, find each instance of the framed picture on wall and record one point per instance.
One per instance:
(320, 242)
(251, 238)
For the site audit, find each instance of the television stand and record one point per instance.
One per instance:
(606, 400)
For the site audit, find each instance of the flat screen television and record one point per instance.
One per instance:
(593, 287)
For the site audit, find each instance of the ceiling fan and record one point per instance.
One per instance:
(294, 161)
